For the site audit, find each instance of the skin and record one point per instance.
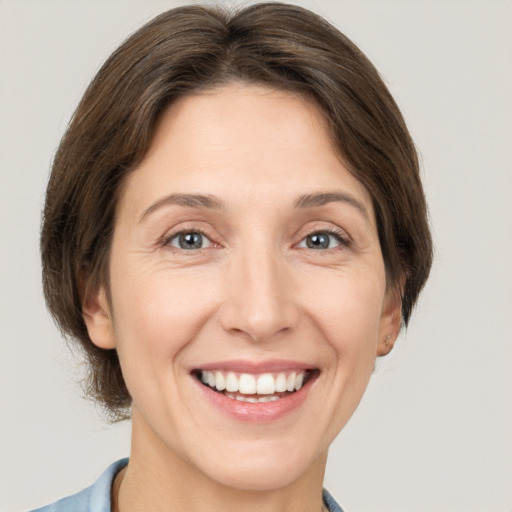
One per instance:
(255, 291)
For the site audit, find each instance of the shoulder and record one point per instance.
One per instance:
(95, 498)
(330, 503)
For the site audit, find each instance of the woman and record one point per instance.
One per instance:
(234, 230)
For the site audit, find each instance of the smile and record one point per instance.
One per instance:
(251, 388)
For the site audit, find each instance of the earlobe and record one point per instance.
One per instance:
(386, 345)
(98, 319)
(391, 322)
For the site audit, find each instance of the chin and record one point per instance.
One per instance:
(265, 468)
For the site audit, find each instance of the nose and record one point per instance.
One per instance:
(259, 301)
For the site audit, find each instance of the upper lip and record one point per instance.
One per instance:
(255, 367)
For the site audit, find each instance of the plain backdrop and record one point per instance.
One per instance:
(434, 431)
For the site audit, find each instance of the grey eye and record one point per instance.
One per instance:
(320, 241)
(189, 241)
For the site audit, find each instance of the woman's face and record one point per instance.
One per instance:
(244, 255)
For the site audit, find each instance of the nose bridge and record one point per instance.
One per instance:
(259, 300)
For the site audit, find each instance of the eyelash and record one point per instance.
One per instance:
(166, 241)
(344, 242)
(340, 236)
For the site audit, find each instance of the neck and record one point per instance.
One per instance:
(157, 479)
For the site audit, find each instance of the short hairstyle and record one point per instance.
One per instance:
(195, 48)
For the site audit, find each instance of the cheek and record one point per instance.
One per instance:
(156, 316)
(348, 311)
(153, 322)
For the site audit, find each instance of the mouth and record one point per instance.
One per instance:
(255, 388)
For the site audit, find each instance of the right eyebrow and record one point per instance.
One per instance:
(190, 200)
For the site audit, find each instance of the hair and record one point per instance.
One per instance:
(194, 48)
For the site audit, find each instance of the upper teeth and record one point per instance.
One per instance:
(249, 384)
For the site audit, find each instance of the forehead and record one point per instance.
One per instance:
(223, 117)
(242, 140)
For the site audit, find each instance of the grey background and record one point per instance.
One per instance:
(434, 432)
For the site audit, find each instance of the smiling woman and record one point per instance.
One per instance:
(234, 230)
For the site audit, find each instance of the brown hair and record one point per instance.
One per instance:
(191, 48)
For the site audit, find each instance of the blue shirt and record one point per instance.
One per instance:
(96, 498)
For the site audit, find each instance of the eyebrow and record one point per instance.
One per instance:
(322, 198)
(213, 203)
(190, 200)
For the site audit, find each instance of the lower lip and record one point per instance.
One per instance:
(262, 412)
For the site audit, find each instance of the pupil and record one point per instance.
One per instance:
(318, 241)
(190, 241)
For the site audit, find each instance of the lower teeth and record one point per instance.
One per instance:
(252, 400)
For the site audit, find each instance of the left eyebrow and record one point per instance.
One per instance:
(190, 200)
(322, 198)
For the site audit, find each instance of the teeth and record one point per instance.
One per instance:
(248, 384)
(220, 381)
(299, 380)
(290, 382)
(281, 383)
(253, 400)
(231, 382)
(265, 385)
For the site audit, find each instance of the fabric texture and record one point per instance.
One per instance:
(96, 498)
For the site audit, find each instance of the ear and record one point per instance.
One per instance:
(98, 319)
(390, 322)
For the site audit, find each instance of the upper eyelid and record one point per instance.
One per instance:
(204, 228)
(342, 239)
(190, 226)
(168, 245)
(330, 228)
(173, 234)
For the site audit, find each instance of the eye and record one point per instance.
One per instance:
(322, 240)
(189, 240)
